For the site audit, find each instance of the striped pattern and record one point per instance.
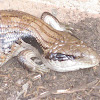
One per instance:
(64, 51)
(15, 25)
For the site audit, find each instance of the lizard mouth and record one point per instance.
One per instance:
(63, 63)
(59, 57)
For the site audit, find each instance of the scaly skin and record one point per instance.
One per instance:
(15, 25)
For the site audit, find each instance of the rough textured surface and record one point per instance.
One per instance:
(17, 83)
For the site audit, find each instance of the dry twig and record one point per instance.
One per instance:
(69, 91)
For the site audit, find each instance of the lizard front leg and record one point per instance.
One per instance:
(29, 59)
(54, 22)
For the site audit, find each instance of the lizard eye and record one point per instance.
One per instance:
(59, 57)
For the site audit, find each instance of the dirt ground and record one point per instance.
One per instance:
(16, 83)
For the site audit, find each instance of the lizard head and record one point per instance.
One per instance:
(71, 57)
